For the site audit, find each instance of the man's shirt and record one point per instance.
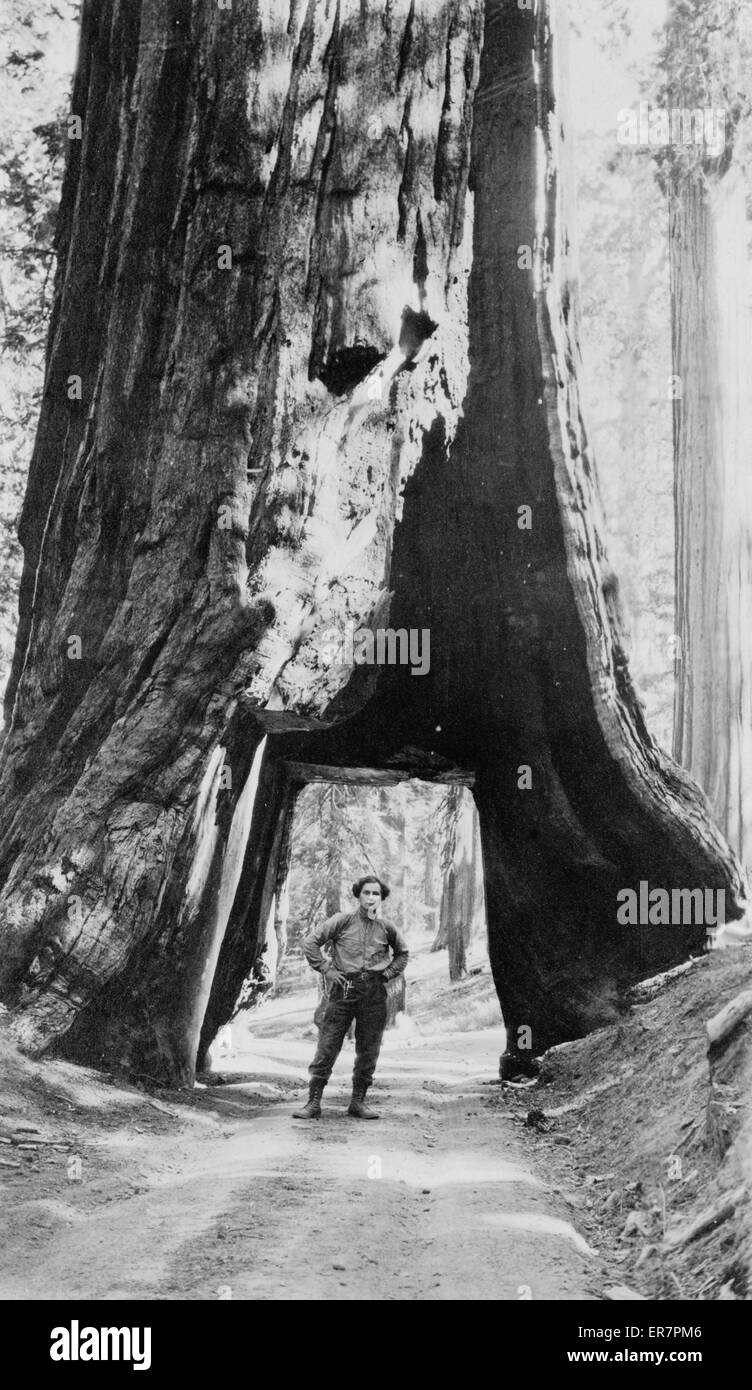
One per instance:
(360, 945)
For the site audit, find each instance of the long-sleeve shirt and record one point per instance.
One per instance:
(357, 944)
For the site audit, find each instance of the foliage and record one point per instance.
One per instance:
(37, 63)
(705, 62)
(340, 832)
(622, 234)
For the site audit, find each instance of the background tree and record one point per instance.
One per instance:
(622, 233)
(708, 70)
(340, 832)
(37, 55)
(461, 913)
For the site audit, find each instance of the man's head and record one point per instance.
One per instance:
(370, 892)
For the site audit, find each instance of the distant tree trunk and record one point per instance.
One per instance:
(456, 930)
(448, 824)
(712, 349)
(333, 831)
(282, 889)
(478, 894)
(319, 378)
(407, 849)
(430, 866)
(460, 883)
(466, 889)
(446, 910)
(439, 942)
(713, 429)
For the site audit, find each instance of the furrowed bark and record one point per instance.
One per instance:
(225, 490)
(337, 431)
(712, 429)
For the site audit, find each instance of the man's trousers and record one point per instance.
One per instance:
(362, 998)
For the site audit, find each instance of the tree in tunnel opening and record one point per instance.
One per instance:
(462, 908)
(204, 513)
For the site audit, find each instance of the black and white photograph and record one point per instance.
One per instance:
(376, 649)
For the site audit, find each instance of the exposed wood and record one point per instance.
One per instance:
(237, 981)
(727, 1020)
(371, 776)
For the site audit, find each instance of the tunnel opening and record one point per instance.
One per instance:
(422, 839)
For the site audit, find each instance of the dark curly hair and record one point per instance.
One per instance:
(360, 884)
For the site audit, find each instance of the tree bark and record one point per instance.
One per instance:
(274, 449)
(458, 897)
(429, 870)
(448, 824)
(456, 932)
(712, 428)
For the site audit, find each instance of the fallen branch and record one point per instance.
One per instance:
(164, 1109)
(585, 1098)
(727, 1019)
(694, 1125)
(647, 989)
(707, 1220)
(24, 1139)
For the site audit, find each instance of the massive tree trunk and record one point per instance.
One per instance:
(712, 432)
(708, 64)
(346, 413)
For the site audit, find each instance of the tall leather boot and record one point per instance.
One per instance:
(358, 1107)
(311, 1111)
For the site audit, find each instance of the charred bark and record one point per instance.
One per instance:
(336, 431)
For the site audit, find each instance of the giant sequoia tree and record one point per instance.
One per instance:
(708, 69)
(316, 283)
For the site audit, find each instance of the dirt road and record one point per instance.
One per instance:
(228, 1197)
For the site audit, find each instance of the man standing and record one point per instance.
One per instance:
(355, 980)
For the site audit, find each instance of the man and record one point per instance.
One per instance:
(355, 980)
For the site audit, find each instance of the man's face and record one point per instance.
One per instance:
(370, 897)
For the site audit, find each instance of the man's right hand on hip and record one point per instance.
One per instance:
(334, 977)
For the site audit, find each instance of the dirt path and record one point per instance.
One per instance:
(236, 1199)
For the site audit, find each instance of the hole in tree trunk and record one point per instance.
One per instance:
(422, 839)
(347, 366)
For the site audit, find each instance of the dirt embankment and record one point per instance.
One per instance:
(653, 1138)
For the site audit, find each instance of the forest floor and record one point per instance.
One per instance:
(464, 1189)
